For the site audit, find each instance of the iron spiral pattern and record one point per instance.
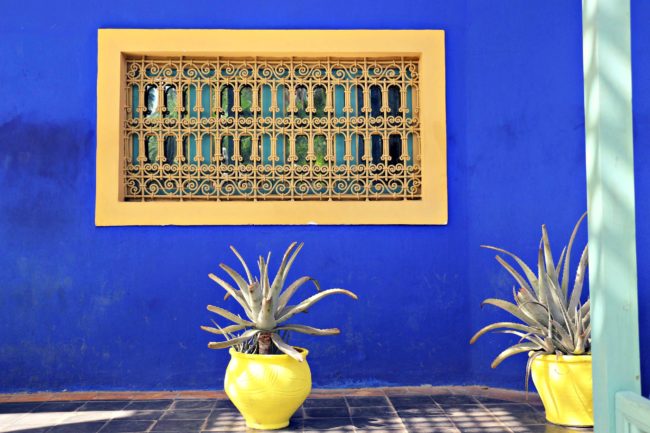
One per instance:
(271, 129)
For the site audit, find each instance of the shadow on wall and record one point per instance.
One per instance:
(44, 168)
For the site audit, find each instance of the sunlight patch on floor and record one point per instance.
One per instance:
(13, 422)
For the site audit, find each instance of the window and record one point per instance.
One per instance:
(271, 127)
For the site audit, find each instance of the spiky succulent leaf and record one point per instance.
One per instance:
(586, 307)
(266, 319)
(290, 311)
(264, 276)
(554, 321)
(223, 331)
(265, 304)
(555, 300)
(579, 337)
(255, 292)
(228, 315)
(289, 292)
(243, 262)
(285, 348)
(522, 282)
(579, 281)
(548, 255)
(529, 364)
(236, 294)
(542, 291)
(309, 330)
(587, 333)
(558, 268)
(586, 317)
(512, 309)
(233, 341)
(499, 325)
(285, 265)
(238, 279)
(285, 271)
(567, 263)
(528, 336)
(513, 350)
(531, 307)
(562, 338)
(532, 278)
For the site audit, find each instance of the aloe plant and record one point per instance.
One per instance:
(265, 302)
(553, 319)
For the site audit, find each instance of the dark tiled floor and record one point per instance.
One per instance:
(396, 411)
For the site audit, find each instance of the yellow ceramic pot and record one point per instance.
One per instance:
(565, 387)
(267, 389)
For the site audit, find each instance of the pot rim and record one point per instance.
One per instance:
(282, 356)
(549, 357)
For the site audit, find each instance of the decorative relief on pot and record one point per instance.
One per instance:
(267, 389)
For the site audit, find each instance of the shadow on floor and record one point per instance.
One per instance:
(416, 412)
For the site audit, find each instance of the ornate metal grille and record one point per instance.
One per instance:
(271, 129)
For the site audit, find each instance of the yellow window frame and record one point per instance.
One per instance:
(115, 44)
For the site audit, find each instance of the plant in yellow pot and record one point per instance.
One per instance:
(555, 331)
(267, 379)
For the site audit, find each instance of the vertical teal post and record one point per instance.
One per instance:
(610, 185)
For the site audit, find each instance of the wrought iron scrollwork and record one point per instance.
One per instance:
(271, 129)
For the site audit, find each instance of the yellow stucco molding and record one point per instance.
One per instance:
(114, 44)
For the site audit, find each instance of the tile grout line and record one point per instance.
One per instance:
(392, 406)
(22, 415)
(444, 412)
(401, 425)
(493, 415)
(347, 405)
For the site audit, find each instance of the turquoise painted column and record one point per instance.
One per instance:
(610, 186)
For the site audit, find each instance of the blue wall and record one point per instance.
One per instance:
(641, 109)
(119, 308)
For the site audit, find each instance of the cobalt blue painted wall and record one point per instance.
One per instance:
(119, 308)
(641, 109)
